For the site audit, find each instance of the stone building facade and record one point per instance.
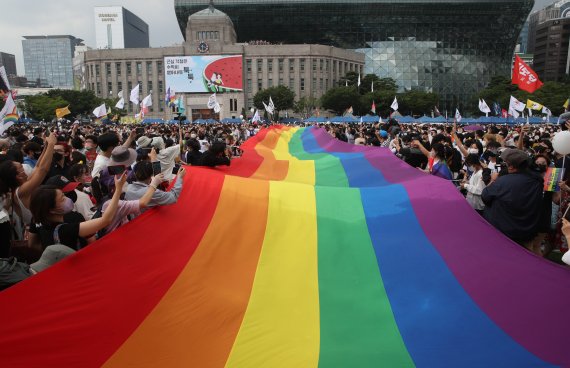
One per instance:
(308, 69)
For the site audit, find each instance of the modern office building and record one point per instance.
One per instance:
(118, 28)
(9, 63)
(451, 47)
(48, 60)
(549, 40)
(211, 60)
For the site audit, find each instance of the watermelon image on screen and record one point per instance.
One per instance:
(224, 75)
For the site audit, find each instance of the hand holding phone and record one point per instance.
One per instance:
(156, 168)
(116, 169)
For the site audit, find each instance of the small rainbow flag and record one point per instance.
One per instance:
(13, 118)
(552, 178)
(306, 252)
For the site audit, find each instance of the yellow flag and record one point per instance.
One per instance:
(566, 104)
(60, 113)
(533, 105)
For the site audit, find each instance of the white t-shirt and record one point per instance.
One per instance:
(101, 162)
(166, 158)
(83, 205)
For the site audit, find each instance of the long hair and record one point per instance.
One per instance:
(43, 200)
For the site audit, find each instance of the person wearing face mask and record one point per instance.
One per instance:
(475, 185)
(90, 150)
(32, 152)
(49, 205)
(60, 164)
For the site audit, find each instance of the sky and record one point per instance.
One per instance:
(76, 18)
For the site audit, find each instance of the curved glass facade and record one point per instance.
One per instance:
(450, 47)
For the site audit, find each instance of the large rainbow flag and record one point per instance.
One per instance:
(306, 252)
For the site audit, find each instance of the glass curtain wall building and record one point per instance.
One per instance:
(49, 59)
(450, 47)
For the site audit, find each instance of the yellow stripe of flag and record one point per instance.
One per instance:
(62, 112)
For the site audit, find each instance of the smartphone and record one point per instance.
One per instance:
(156, 169)
(117, 169)
(175, 169)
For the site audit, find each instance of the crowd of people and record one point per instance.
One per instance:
(64, 185)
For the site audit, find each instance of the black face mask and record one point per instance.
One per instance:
(57, 156)
(542, 168)
(37, 155)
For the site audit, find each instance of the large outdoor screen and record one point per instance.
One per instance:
(204, 74)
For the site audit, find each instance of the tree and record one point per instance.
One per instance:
(552, 95)
(417, 102)
(42, 107)
(283, 99)
(305, 106)
(80, 102)
(340, 98)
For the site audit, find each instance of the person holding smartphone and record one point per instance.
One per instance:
(144, 172)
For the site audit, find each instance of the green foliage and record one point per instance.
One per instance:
(283, 99)
(340, 98)
(305, 106)
(552, 95)
(42, 107)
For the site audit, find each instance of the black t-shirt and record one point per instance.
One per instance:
(193, 158)
(211, 160)
(68, 235)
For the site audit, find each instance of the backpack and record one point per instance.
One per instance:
(12, 272)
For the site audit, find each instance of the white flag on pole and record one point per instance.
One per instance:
(100, 111)
(212, 101)
(147, 101)
(484, 107)
(217, 108)
(394, 105)
(120, 104)
(458, 116)
(134, 98)
(358, 80)
(372, 89)
(546, 110)
(516, 104)
(256, 117)
(271, 105)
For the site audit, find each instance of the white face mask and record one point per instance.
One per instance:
(473, 151)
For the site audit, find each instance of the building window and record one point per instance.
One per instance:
(139, 68)
(314, 84)
(120, 87)
(250, 102)
(280, 81)
(149, 67)
(259, 65)
(270, 83)
(259, 84)
(321, 64)
(108, 69)
(280, 65)
(249, 84)
(314, 65)
(160, 104)
(302, 65)
(270, 65)
(149, 87)
(322, 84)
(97, 69)
(98, 88)
(248, 65)
(327, 65)
(217, 35)
(91, 67)
(160, 88)
(118, 67)
(292, 83)
(291, 65)
(302, 84)
(159, 67)
(129, 69)
(233, 104)
(109, 88)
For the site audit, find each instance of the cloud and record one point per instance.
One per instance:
(76, 18)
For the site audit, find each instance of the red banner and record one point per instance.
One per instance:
(525, 77)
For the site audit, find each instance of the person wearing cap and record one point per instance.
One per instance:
(166, 155)
(50, 256)
(513, 202)
(382, 136)
(107, 143)
(121, 156)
